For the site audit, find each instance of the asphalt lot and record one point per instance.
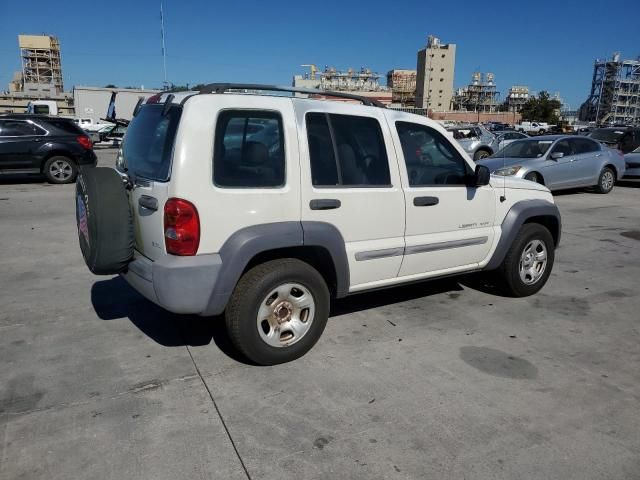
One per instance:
(437, 380)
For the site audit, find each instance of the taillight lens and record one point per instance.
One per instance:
(85, 142)
(181, 227)
(154, 98)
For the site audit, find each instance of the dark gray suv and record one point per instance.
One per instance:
(52, 146)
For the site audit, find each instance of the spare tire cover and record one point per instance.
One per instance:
(103, 217)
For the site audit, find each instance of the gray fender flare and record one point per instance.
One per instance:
(517, 215)
(245, 244)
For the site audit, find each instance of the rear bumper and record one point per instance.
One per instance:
(177, 284)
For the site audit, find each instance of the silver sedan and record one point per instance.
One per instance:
(559, 162)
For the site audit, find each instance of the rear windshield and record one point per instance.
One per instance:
(607, 135)
(148, 144)
(67, 126)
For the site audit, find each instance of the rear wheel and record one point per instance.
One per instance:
(60, 169)
(528, 262)
(606, 180)
(278, 311)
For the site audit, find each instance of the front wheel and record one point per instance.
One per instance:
(480, 154)
(278, 311)
(533, 177)
(528, 262)
(606, 180)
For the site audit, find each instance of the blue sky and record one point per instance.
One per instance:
(545, 45)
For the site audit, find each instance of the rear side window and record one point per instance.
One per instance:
(582, 145)
(18, 128)
(148, 145)
(249, 150)
(65, 126)
(347, 151)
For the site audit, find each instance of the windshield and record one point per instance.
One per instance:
(148, 144)
(525, 149)
(607, 135)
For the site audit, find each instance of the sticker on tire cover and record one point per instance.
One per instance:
(83, 226)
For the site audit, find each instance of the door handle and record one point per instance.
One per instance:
(598, 154)
(148, 202)
(37, 139)
(324, 204)
(425, 201)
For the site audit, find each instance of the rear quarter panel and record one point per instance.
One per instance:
(224, 211)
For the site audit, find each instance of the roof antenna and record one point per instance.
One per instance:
(503, 197)
(164, 49)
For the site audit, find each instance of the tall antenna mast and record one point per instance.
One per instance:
(164, 50)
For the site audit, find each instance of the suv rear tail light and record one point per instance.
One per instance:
(85, 142)
(181, 227)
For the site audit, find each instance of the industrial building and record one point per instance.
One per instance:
(480, 95)
(364, 82)
(41, 64)
(518, 95)
(615, 93)
(434, 79)
(403, 86)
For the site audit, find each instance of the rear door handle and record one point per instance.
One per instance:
(425, 201)
(324, 204)
(148, 202)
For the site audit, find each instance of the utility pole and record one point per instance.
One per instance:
(164, 50)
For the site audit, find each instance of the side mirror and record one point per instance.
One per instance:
(556, 155)
(482, 176)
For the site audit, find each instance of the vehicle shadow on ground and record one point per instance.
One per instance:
(114, 299)
(630, 183)
(13, 179)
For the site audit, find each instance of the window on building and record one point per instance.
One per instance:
(430, 158)
(443, 55)
(442, 79)
(249, 150)
(346, 150)
(442, 69)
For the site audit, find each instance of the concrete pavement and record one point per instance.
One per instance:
(438, 380)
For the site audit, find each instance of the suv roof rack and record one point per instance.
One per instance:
(225, 87)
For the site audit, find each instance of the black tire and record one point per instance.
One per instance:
(60, 170)
(480, 154)
(508, 274)
(242, 311)
(534, 177)
(103, 217)
(606, 180)
(542, 131)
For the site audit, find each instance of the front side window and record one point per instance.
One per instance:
(346, 150)
(564, 147)
(249, 150)
(430, 158)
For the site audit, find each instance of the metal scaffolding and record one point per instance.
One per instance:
(41, 63)
(479, 96)
(615, 93)
(403, 86)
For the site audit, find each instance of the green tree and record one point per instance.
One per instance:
(111, 85)
(542, 108)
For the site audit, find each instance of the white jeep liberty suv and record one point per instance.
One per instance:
(264, 207)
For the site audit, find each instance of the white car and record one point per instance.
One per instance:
(266, 207)
(536, 128)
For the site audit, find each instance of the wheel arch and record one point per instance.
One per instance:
(528, 211)
(612, 167)
(317, 243)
